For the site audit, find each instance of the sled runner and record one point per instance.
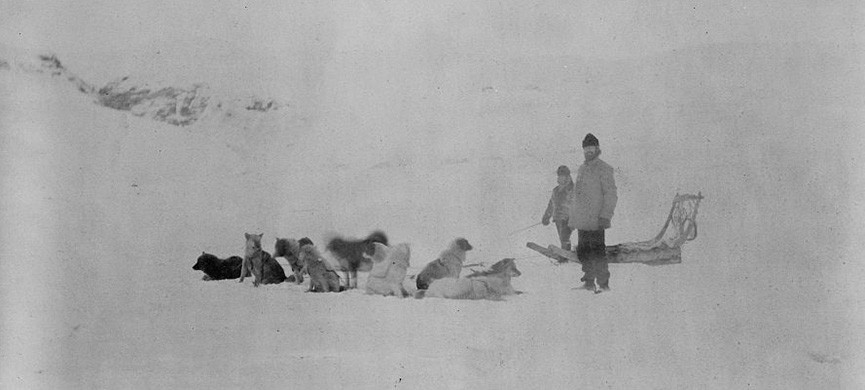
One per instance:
(665, 248)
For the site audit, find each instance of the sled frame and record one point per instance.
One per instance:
(665, 248)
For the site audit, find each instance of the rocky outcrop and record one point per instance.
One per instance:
(179, 106)
(176, 105)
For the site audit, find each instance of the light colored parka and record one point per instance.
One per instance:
(594, 195)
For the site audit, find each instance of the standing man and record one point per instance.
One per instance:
(594, 200)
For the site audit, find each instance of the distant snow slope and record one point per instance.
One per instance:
(104, 214)
(156, 99)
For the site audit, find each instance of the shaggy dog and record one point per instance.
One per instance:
(215, 268)
(388, 270)
(350, 254)
(289, 249)
(448, 265)
(264, 268)
(492, 284)
(321, 277)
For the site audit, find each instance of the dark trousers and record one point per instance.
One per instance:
(565, 232)
(591, 251)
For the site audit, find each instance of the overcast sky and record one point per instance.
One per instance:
(587, 28)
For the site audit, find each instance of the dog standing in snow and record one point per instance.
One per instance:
(448, 265)
(350, 254)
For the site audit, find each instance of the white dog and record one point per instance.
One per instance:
(388, 270)
(492, 284)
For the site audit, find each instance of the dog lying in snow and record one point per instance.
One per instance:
(492, 284)
(215, 268)
(264, 268)
(350, 254)
(321, 277)
(448, 265)
(388, 270)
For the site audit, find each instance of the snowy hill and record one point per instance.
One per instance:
(106, 212)
(159, 100)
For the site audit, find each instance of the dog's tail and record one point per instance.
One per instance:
(419, 294)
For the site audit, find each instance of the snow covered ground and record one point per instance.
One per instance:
(104, 214)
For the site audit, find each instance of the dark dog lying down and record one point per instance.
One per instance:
(215, 268)
(350, 254)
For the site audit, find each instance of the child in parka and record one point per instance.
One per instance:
(558, 207)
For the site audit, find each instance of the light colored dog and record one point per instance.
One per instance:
(389, 266)
(448, 265)
(264, 268)
(492, 284)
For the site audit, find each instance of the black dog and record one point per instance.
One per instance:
(215, 268)
(350, 254)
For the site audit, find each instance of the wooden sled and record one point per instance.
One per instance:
(665, 248)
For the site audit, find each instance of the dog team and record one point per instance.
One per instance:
(387, 266)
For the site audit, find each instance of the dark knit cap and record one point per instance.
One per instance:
(590, 140)
(563, 171)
